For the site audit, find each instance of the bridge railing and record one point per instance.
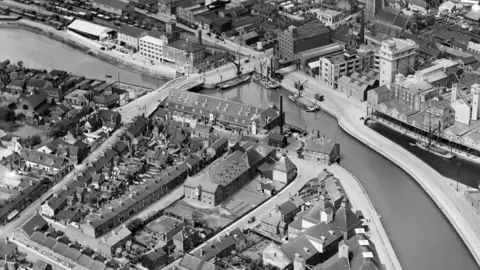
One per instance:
(172, 82)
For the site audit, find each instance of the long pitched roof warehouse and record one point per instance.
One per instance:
(225, 110)
(91, 28)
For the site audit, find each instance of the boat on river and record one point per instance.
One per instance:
(433, 149)
(235, 82)
(313, 108)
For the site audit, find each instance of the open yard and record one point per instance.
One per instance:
(213, 216)
(255, 251)
(21, 130)
(245, 199)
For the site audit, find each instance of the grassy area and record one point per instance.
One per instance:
(10, 127)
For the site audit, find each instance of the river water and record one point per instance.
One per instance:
(420, 234)
(37, 51)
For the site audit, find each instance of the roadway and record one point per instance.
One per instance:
(453, 204)
(226, 43)
(148, 103)
(305, 174)
(23, 216)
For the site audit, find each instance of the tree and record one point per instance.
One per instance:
(196, 216)
(20, 64)
(135, 225)
(56, 131)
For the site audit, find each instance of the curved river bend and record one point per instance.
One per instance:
(420, 234)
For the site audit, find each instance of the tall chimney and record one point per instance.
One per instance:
(200, 37)
(361, 34)
(281, 115)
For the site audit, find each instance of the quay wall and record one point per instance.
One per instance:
(117, 61)
(393, 262)
(422, 173)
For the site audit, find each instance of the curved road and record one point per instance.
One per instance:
(459, 212)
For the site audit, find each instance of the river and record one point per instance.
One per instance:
(37, 51)
(420, 234)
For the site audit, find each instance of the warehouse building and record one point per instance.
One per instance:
(90, 30)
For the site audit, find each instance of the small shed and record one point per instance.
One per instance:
(278, 140)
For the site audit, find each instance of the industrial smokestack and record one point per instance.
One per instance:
(281, 115)
(200, 41)
(361, 34)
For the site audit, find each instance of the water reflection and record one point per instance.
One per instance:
(420, 234)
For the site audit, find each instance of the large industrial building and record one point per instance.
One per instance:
(295, 40)
(90, 30)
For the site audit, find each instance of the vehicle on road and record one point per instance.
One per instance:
(251, 220)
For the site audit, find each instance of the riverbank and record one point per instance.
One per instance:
(360, 200)
(87, 47)
(457, 210)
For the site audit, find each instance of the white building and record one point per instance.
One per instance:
(130, 36)
(466, 106)
(397, 56)
(152, 47)
(327, 16)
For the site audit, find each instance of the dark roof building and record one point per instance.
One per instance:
(187, 46)
(190, 262)
(131, 31)
(224, 111)
(295, 40)
(36, 222)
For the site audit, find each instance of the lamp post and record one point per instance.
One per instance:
(459, 165)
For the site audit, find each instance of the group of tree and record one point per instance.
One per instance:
(7, 115)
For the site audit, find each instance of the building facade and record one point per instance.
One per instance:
(299, 39)
(130, 36)
(397, 56)
(335, 66)
(152, 48)
(110, 6)
(185, 54)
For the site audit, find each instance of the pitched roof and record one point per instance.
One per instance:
(36, 83)
(285, 165)
(320, 145)
(69, 252)
(36, 221)
(56, 202)
(307, 245)
(45, 159)
(287, 207)
(90, 263)
(191, 262)
(187, 46)
(131, 31)
(36, 98)
(112, 3)
(154, 255)
(314, 213)
(345, 219)
(138, 126)
(6, 247)
(225, 110)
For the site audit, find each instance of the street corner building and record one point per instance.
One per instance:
(229, 175)
(187, 107)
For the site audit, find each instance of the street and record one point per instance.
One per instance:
(148, 103)
(7, 230)
(305, 174)
(453, 204)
